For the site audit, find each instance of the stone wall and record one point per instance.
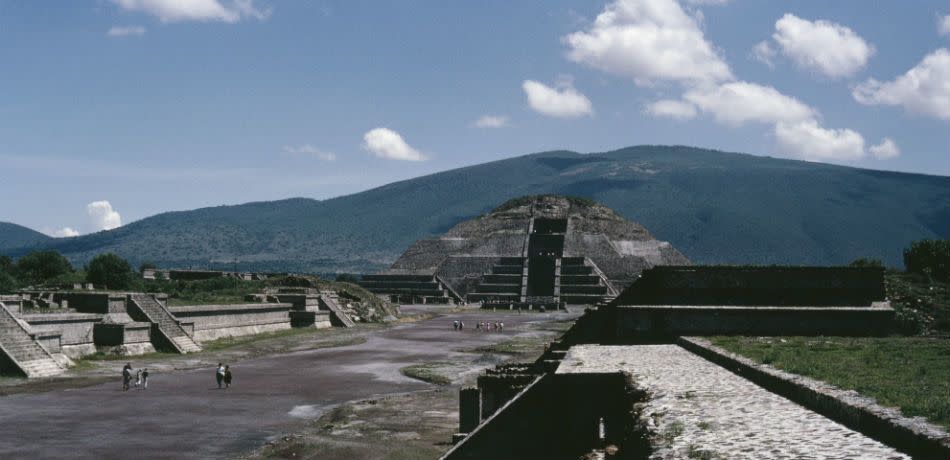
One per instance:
(723, 285)
(93, 302)
(639, 323)
(218, 321)
(76, 330)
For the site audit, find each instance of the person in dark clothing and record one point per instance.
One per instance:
(219, 374)
(126, 376)
(227, 376)
(145, 379)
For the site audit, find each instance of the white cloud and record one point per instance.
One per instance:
(885, 150)
(943, 26)
(677, 110)
(648, 40)
(739, 102)
(310, 151)
(923, 89)
(491, 121)
(764, 53)
(829, 48)
(562, 102)
(807, 140)
(386, 143)
(127, 31)
(102, 216)
(196, 10)
(65, 232)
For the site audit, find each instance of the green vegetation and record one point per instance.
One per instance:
(922, 304)
(531, 347)
(111, 271)
(930, 258)
(427, 372)
(714, 207)
(910, 373)
(40, 266)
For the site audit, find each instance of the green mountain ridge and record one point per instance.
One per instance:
(714, 207)
(15, 236)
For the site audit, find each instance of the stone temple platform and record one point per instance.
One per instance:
(693, 408)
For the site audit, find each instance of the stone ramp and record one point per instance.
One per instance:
(697, 409)
(22, 350)
(167, 325)
(338, 313)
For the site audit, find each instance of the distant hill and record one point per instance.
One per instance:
(715, 207)
(17, 236)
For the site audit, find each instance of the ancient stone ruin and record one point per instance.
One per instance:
(533, 251)
(41, 332)
(628, 380)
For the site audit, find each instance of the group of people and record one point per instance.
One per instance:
(484, 326)
(488, 326)
(141, 377)
(223, 375)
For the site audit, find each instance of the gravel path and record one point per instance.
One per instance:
(701, 410)
(184, 415)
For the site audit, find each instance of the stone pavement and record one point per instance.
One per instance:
(184, 415)
(698, 409)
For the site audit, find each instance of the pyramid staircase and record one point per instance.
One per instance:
(19, 347)
(503, 283)
(582, 283)
(425, 287)
(331, 304)
(164, 323)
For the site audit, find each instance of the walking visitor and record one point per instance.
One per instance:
(227, 376)
(219, 374)
(145, 379)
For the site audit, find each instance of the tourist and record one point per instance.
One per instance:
(138, 378)
(227, 376)
(219, 374)
(145, 379)
(501, 326)
(461, 325)
(126, 375)
(455, 325)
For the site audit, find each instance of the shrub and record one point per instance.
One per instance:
(863, 262)
(929, 257)
(41, 266)
(111, 271)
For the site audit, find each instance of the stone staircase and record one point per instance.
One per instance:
(20, 348)
(330, 304)
(582, 283)
(502, 284)
(166, 323)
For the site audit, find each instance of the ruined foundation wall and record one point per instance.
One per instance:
(217, 321)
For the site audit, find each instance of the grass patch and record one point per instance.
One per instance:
(427, 372)
(518, 346)
(230, 342)
(912, 373)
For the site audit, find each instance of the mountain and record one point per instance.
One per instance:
(16, 236)
(715, 207)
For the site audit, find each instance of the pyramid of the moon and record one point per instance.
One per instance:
(538, 249)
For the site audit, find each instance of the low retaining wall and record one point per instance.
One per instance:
(642, 322)
(93, 302)
(73, 331)
(914, 436)
(219, 321)
(124, 339)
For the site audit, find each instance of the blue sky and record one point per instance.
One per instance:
(159, 105)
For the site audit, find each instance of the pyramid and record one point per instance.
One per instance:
(536, 250)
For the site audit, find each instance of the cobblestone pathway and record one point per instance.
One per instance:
(700, 410)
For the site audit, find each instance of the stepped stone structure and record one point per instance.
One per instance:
(627, 381)
(40, 332)
(538, 250)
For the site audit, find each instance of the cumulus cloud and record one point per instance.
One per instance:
(826, 47)
(943, 26)
(102, 216)
(310, 151)
(806, 139)
(65, 232)
(677, 110)
(492, 121)
(924, 89)
(764, 53)
(386, 143)
(885, 150)
(196, 10)
(561, 102)
(738, 102)
(648, 41)
(127, 31)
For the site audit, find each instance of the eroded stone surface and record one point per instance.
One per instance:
(697, 409)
